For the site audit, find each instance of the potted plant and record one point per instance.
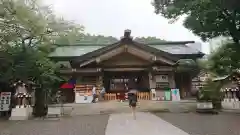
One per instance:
(204, 99)
(209, 97)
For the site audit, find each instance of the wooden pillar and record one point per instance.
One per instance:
(179, 82)
(99, 82)
(171, 79)
(152, 82)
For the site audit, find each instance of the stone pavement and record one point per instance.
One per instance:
(123, 123)
(204, 124)
(78, 125)
(145, 123)
(119, 107)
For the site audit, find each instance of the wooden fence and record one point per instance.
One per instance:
(140, 96)
(143, 96)
(87, 89)
(110, 96)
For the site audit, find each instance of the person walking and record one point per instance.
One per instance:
(102, 93)
(94, 94)
(132, 98)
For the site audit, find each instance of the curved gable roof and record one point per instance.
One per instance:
(166, 49)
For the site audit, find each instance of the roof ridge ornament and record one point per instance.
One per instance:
(127, 36)
(127, 33)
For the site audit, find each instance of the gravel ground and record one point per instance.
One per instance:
(203, 124)
(78, 125)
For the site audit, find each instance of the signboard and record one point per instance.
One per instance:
(175, 95)
(5, 100)
(161, 78)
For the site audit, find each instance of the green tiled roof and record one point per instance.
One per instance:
(176, 49)
(79, 50)
(71, 50)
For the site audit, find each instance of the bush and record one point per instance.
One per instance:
(211, 92)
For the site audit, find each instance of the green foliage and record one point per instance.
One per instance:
(203, 64)
(186, 66)
(148, 39)
(80, 38)
(211, 92)
(27, 30)
(225, 59)
(205, 18)
(27, 64)
(97, 39)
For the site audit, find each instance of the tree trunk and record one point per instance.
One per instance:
(40, 107)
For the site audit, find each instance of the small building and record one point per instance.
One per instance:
(199, 81)
(126, 64)
(231, 85)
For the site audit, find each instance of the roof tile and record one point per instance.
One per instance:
(79, 50)
(68, 51)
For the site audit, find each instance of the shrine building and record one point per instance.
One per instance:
(126, 64)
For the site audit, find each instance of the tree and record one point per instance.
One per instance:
(148, 39)
(27, 30)
(205, 18)
(97, 39)
(28, 23)
(76, 37)
(225, 59)
(211, 92)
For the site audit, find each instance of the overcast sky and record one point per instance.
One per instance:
(112, 17)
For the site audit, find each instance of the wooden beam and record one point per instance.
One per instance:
(104, 56)
(130, 49)
(125, 69)
(141, 54)
(87, 62)
(110, 54)
(162, 68)
(170, 62)
(87, 70)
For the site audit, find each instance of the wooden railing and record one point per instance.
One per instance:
(140, 96)
(86, 88)
(143, 96)
(110, 96)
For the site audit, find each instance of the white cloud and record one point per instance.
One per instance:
(112, 17)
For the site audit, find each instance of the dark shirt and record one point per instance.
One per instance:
(132, 97)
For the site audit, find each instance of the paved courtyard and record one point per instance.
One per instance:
(118, 107)
(203, 124)
(78, 125)
(123, 123)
